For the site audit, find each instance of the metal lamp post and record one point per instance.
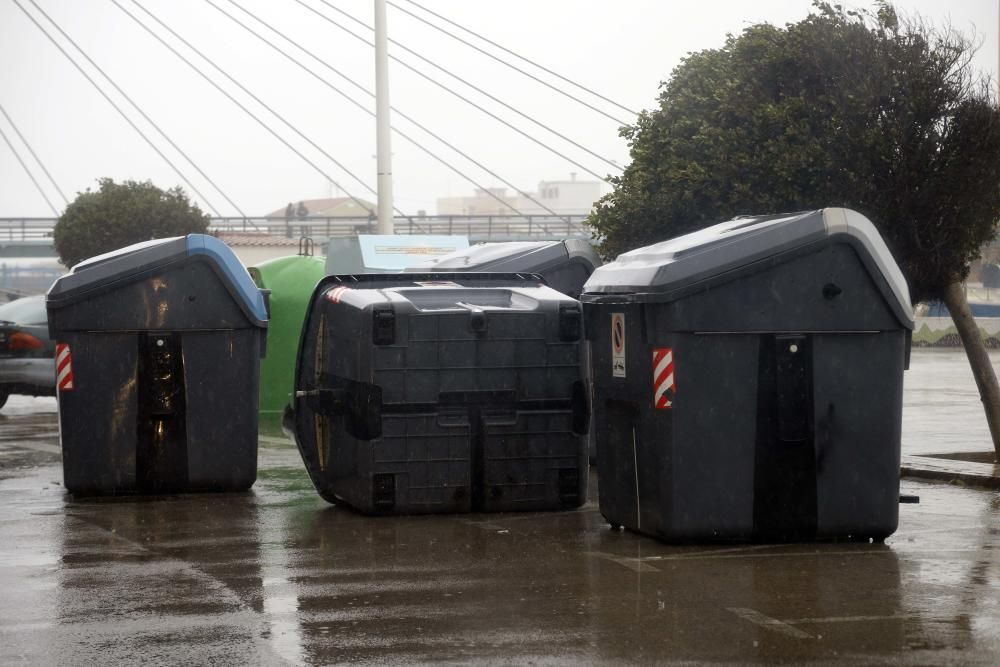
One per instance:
(383, 149)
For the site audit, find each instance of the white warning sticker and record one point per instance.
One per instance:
(618, 345)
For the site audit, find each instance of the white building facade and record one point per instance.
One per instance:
(567, 197)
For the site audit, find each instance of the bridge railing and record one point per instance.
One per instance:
(26, 229)
(477, 228)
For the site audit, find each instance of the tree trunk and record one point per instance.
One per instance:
(979, 358)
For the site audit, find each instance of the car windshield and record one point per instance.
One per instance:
(29, 310)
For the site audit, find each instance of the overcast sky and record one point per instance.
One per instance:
(622, 49)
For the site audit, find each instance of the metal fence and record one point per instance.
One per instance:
(26, 229)
(476, 228)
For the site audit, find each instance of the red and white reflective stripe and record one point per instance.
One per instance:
(64, 368)
(333, 296)
(663, 377)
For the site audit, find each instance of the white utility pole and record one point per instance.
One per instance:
(382, 140)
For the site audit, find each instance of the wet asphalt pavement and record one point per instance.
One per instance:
(941, 407)
(279, 576)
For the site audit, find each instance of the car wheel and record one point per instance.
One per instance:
(4, 395)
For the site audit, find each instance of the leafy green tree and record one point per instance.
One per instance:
(120, 214)
(860, 109)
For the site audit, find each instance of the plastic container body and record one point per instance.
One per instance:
(756, 398)
(162, 343)
(565, 266)
(291, 281)
(442, 393)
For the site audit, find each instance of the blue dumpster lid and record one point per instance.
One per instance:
(683, 261)
(519, 256)
(140, 259)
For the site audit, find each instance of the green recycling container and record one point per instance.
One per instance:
(291, 281)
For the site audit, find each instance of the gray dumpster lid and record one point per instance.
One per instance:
(685, 260)
(516, 256)
(437, 280)
(136, 261)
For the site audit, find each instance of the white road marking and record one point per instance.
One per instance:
(945, 529)
(769, 623)
(485, 525)
(36, 446)
(632, 563)
(853, 619)
(271, 440)
(714, 552)
(803, 554)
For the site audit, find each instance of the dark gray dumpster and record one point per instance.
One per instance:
(748, 381)
(565, 265)
(442, 393)
(158, 348)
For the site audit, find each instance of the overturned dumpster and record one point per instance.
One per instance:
(158, 347)
(442, 393)
(565, 265)
(748, 379)
(290, 281)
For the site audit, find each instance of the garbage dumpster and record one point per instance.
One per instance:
(565, 265)
(291, 281)
(748, 381)
(427, 393)
(158, 352)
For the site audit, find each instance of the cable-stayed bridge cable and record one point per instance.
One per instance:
(207, 78)
(455, 93)
(139, 109)
(261, 102)
(370, 112)
(468, 83)
(116, 107)
(33, 154)
(28, 172)
(517, 55)
(510, 65)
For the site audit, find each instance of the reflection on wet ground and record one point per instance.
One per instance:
(279, 576)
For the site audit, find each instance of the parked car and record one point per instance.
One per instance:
(27, 355)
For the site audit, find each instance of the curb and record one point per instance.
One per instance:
(969, 473)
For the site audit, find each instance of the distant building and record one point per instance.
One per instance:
(570, 197)
(254, 248)
(334, 207)
(488, 201)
